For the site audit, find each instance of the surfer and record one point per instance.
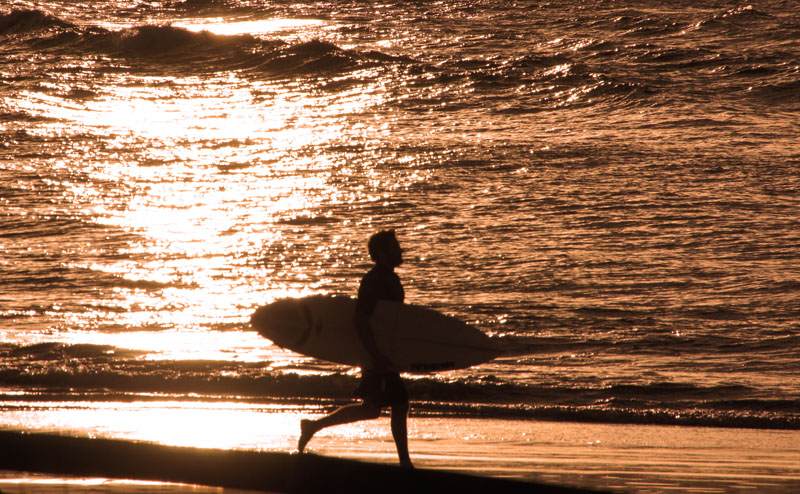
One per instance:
(380, 386)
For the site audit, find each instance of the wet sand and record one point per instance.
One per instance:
(250, 470)
(612, 457)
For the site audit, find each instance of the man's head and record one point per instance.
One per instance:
(385, 249)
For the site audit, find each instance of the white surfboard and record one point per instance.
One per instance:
(415, 339)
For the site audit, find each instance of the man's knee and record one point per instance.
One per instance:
(400, 407)
(371, 410)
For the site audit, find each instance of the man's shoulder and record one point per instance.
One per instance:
(377, 275)
(369, 277)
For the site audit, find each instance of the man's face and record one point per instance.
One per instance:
(393, 254)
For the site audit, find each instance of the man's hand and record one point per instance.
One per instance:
(382, 363)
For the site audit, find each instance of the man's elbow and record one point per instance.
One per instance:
(361, 316)
(362, 322)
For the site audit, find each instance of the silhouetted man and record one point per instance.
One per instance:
(380, 386)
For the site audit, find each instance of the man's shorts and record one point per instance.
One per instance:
(382, 389)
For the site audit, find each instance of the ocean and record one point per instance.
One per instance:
(608, 188)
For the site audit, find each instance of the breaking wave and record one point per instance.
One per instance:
(86, 368)
(174, 48)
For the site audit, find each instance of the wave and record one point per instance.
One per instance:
(782, 93)
(29, 21)
(165, 39)
(639, 24)
(169, 48)
(208, 7)
(528, 84)
(571, 413)
(52, 275)
(735, 19)
(101, 368)
(35, 226)
(312, 57)
(243, 52)
(697, 348)
(604, 72)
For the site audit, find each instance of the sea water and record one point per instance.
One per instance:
(609, 189)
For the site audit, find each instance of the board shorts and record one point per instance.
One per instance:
(382, 389)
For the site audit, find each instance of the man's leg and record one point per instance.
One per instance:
(400, 432)
(344, 415)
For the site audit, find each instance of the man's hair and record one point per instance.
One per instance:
(379, 242)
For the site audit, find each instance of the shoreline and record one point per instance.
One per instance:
(637, 459)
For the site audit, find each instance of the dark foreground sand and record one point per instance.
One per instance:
(241, 470)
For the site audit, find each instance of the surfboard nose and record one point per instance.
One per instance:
(283, 321)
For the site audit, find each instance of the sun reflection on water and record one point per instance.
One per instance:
(187, 152)
(223, 425)
(232, 27)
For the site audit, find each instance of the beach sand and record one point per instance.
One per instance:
(611, 457)
(32, 483)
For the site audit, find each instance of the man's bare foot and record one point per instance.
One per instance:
(307, 431)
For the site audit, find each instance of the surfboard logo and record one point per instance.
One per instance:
(307, 331)
(432, 366)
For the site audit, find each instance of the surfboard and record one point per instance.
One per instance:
(415, 339)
